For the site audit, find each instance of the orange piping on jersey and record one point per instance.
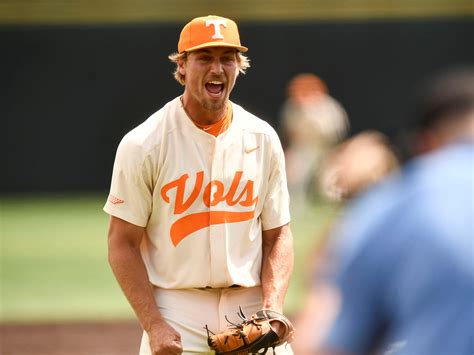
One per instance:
(196, 221)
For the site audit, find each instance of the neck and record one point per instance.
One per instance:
(201, 114)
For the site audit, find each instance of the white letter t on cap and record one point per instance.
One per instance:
(217, 29)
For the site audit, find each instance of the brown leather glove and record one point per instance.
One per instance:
(251, 335)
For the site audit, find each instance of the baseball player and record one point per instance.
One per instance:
(199, 203)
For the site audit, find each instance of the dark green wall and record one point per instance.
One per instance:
(70, 93)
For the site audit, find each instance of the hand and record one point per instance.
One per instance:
(165, 340)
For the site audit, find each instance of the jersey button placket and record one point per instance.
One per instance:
(217, 240)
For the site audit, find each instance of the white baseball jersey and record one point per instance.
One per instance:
(204, 200)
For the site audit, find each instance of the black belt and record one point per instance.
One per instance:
(231, 286)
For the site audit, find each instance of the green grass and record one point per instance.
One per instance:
(310, 228)
(54, 259)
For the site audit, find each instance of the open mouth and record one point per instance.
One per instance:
(215, 88)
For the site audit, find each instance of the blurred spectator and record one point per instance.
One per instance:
(356, 164)
(312, 123)
(353, 166)
(405, 250)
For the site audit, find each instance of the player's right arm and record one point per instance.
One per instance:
(128, 267)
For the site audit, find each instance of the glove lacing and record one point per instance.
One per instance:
(238, 330)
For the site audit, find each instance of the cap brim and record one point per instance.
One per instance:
(217, 44)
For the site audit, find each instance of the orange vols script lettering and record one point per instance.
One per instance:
(213, 193)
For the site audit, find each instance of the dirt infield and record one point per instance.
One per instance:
(108, 338)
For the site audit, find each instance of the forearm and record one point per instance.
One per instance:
(130, 272)
(129, 269)
(277, 266)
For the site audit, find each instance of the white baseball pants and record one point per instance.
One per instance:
(189, 310)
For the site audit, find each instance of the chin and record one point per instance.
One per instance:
(214, 105)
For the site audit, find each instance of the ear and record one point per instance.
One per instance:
(182, 66)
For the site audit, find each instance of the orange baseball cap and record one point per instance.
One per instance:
(209, 31)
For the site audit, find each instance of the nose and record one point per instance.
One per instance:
(216, 67)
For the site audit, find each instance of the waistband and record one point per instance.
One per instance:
(218, 288)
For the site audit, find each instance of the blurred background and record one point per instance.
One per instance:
(76, 76)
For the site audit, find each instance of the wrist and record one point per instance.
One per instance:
(273, 307)
(153, 324)
(273, 304)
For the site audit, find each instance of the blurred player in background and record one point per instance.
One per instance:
(199, 203)
(312, 123)
(353, 166)
(404, 251)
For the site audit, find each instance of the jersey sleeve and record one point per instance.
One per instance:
(276, 206)
(131, 188)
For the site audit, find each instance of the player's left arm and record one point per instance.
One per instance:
(277, 266)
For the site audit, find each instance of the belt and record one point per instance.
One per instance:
(217, 288)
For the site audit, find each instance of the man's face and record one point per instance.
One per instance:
(210, 76)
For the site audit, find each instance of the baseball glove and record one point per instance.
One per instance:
(253, 335)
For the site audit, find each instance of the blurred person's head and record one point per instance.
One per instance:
(445, 110)
(357, 163)
(306, 87)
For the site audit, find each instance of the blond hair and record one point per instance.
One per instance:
(242, 61)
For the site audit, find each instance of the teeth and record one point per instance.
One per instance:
(215, 82)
